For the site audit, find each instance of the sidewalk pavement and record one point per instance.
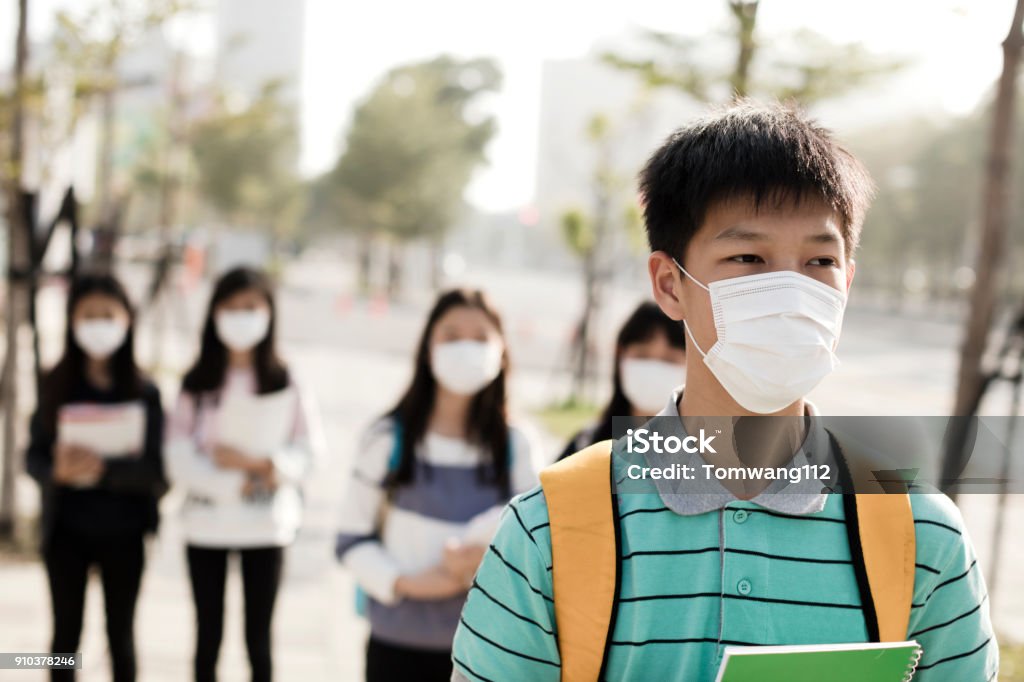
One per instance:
(356, 363)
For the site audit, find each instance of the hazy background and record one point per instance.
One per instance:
(371, 156)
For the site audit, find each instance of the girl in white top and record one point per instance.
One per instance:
(240, 441)
(427, 487)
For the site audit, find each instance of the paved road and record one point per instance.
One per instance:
(355, 355)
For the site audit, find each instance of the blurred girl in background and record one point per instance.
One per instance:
(650, 361)
(427, 484)
(241, 440)
(96, 508)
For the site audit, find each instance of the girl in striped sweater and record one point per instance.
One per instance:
(428, 482)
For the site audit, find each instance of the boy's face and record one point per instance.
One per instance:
(735, 240)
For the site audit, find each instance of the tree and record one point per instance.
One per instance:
(90, 46)
(410, 151)
(803, 66)
(994, 224)
(18, 258)
(807, 68)
(246, 158)
(589, 234)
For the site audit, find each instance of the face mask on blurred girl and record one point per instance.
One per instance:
(465, 367)
(648, 383)
(242, 330)
(100, 338)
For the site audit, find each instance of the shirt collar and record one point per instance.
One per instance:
(700, 495)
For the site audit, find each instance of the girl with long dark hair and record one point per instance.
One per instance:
(650, 361)
(97, 507)
(239, 501)
(426, 486)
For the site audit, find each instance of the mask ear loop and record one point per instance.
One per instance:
(692, 278)
(686, 326)
(693, 340)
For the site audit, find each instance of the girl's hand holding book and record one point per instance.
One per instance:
(75, 465)
(461, 560)
(227, 457)
(433, 583)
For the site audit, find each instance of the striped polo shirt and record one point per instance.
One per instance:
(703, 571)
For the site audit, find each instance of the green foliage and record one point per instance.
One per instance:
(803, 65)
(564, 419)
(929, 191)
(671, 66)
(823, 70)
(89, 44)
(411, 149)
(633, 221)
(245, 157)
(578, 231)
(1011, 662)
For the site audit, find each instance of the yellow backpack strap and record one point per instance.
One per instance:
(880, 524)
(585, 557)
(887, 541)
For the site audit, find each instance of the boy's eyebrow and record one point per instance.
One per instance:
(829, 237)
(741, 233)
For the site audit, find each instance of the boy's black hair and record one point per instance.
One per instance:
(760, 152)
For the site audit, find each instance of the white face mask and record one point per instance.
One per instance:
(777, 335)
(465, 367)
(99, 339)
(242, 330)
(649, 383)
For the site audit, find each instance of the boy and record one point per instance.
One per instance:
(752, 216)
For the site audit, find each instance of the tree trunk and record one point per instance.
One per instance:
(395, 270)
(745, 12)
(365, 264)
(994, 224)
(18, 261)
(581, 340)
(436, 264)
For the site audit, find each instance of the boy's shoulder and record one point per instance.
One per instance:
(936, 508)
(939, 530)
(531, 507)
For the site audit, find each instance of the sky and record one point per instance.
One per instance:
(954, 46)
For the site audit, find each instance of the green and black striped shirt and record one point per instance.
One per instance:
(695, 580)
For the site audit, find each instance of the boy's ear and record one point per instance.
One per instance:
(851, 267)
(666, 285)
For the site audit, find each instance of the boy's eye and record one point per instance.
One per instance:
(827, 261)
(747, 258)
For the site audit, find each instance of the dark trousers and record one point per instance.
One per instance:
(68, 558)
(261, 576)
(391, 663)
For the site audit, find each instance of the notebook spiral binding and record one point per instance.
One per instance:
(912, 665)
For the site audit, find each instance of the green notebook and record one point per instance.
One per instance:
(886, 662)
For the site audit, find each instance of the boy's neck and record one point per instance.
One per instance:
(709, 399)
(749, 439)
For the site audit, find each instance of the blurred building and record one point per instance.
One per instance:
(260, 41)
(573, 91)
